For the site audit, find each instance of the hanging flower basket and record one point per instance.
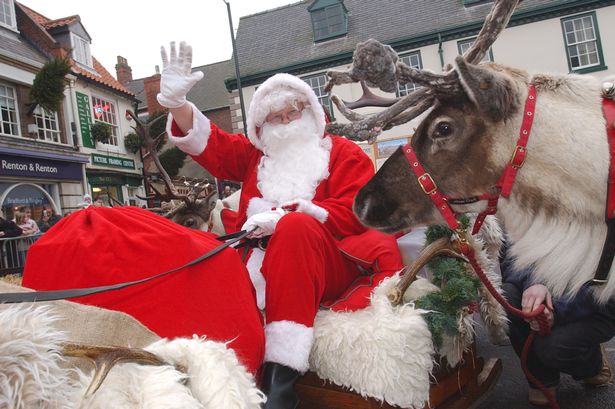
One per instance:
(101, 132)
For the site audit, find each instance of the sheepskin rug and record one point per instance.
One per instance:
(33, 374)
(382, 352)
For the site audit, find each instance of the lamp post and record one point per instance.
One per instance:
(230, 23)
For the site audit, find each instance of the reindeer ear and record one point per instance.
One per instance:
(489, 90)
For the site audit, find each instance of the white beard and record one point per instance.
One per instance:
(295, 160)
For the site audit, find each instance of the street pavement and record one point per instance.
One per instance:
(511, 389)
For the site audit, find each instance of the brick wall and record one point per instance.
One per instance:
(123, 72)
(221, 117)
(151, 86)
(235, 108)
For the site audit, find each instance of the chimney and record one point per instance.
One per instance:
(151, 87)
(123, 70)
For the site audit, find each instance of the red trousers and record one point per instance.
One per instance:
(303, 267)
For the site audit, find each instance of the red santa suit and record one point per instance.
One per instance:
(305, 263)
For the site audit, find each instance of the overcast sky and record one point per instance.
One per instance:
(136, 29)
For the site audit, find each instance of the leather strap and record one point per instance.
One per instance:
(54, 295)
(430, 188)
(608, 250)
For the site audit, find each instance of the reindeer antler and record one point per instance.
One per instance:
(378, 65)
(104, 358)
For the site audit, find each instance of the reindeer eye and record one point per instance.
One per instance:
(443, 129)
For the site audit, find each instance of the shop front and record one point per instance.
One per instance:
(37, 179)
(115, 185)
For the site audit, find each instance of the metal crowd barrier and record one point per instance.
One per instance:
(13, 253)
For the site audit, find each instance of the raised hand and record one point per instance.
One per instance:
(177, 77)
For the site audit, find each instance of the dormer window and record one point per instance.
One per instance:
(329, 19)
(81, 50)
(7, 14)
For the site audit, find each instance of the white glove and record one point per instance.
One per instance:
(177, 77)
(264, 223)
(307, 207)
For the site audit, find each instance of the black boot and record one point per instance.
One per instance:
(279, 386)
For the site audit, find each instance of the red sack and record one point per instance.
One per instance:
(102, 246)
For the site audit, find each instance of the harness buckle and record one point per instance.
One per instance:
(518, 157)
(427, 183)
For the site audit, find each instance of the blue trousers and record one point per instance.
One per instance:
(572, 348)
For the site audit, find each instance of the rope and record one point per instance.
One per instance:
(538, 313)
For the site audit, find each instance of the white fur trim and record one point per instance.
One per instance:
(319, 213)
(258, 280)
(258, 111)
(216, 377)
(289, 343)
(195, 141)
(381, 351)
(258, 205)
(30, 371)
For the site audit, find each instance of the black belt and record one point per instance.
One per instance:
(54, 295)
(260, 243)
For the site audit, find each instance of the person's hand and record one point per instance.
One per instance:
(533, 297)
(2, 233)
(177, 77)
(264, 223)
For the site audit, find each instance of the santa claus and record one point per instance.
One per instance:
(298, 186)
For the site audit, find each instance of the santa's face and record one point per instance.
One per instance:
(289, 133)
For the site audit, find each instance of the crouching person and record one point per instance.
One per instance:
(298, 188)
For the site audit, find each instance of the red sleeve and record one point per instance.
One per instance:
(349, 170)
(228, 156)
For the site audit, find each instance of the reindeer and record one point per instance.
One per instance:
(191, 209)
(554, 215)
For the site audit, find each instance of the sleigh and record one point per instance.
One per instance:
(405, 352)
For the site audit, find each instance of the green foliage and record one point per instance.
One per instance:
(458, 288)
(133, 142)
(48, 86)
(101, 132)
(172, 160)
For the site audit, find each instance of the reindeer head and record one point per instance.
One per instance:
(191, 209)
(464, 144)
(472, 105)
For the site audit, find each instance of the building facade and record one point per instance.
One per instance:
(51, 158)
(40, 162)
(308, 38)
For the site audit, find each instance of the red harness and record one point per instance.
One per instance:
(502, 187)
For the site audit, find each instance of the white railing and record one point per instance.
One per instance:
(13, 252)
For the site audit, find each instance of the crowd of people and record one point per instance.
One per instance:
(13, 253)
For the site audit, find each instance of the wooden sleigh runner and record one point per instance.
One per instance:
(460, 387)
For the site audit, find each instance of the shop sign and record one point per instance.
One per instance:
(85, 119)
(113, 162)
(39, 168)
(105, 180)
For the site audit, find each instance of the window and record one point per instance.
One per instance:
(7, 13)
(464, 45)
(582, 41)
(412, 60)
(105, 112)
(81, 50)
(329, 19)
(47, 122)
(318, 83)
(8, 112)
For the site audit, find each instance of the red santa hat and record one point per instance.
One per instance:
(273, 95)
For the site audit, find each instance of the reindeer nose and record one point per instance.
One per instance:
(371, 208)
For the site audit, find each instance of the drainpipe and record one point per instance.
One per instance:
(441, 51)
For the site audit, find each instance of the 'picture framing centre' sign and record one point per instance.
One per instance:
(112, 162)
